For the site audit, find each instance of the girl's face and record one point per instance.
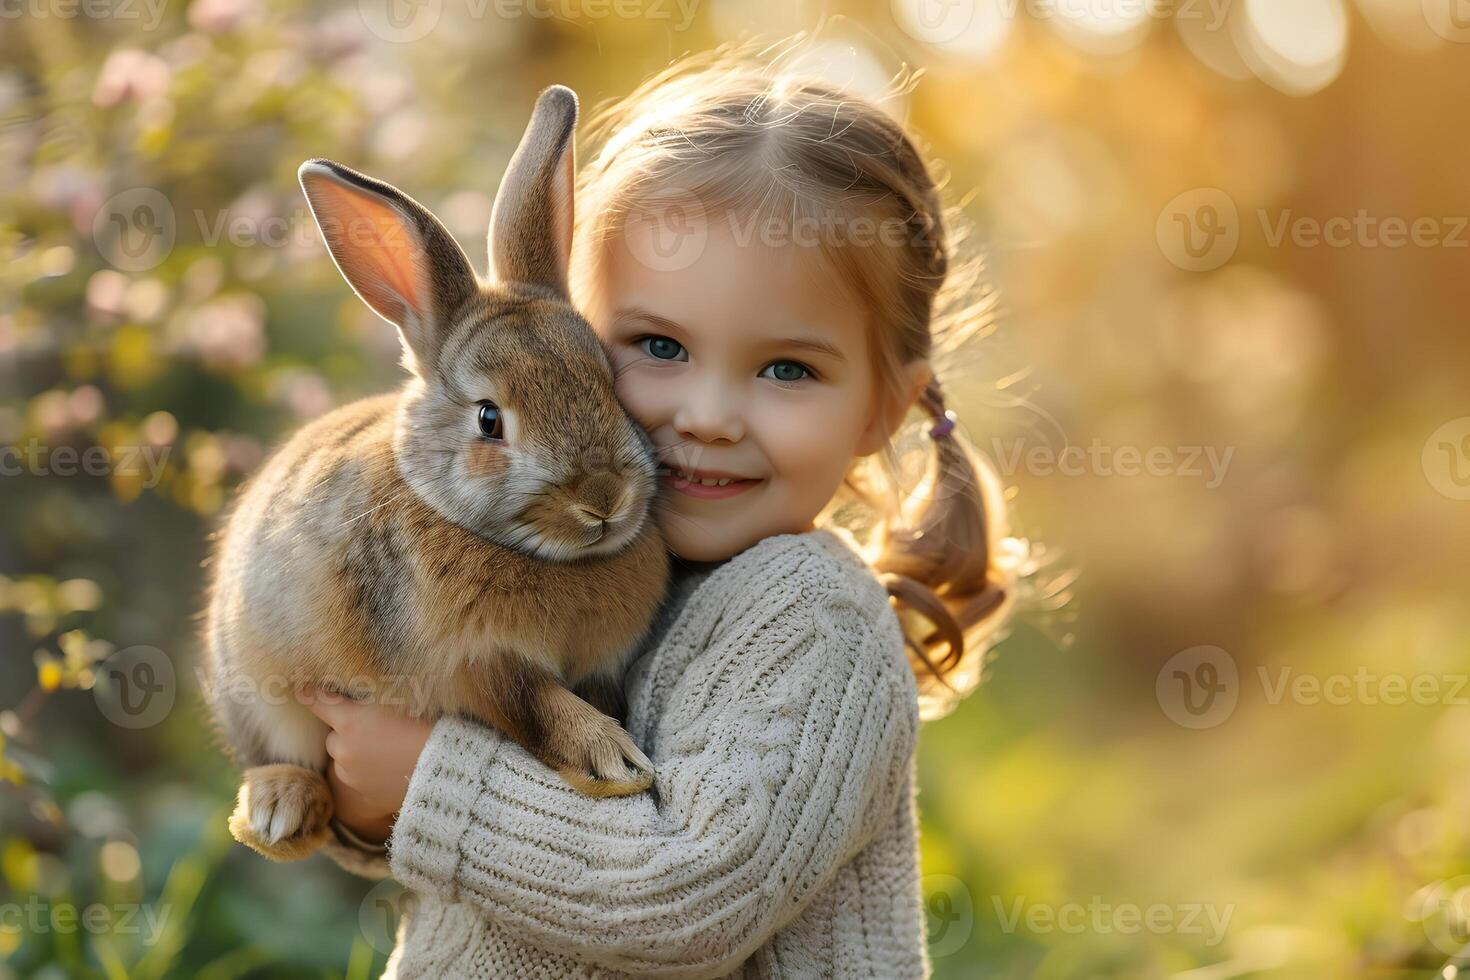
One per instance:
(749, 366)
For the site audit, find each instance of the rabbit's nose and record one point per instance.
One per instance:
(589, 515)
(595, 522)
(597, 497)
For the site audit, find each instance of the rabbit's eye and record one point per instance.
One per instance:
(491, 426)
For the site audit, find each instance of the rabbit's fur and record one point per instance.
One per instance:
(394, 550)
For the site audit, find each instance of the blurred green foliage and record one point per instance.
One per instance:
(167, 314)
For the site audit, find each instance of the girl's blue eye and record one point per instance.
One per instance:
(663, 348)
(492, 426)
(793, 371)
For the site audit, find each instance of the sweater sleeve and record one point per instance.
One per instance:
(783, 747)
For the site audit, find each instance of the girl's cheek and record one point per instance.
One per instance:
(806, 421)
(815, 438)
(638, 397)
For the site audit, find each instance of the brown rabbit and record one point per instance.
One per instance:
(478, 543)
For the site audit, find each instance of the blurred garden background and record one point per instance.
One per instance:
(1230, 388)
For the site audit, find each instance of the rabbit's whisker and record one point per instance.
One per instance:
(391, 500)
(664, 510)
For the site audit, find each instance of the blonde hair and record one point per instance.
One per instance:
(737, 129)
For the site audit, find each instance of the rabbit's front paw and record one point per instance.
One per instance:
(283, 811)
(601, 759)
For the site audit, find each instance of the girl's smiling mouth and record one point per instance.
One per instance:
(707, 484)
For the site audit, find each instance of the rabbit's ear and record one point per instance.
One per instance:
(531, 223)
(392, 251)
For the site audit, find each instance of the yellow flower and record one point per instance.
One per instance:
(49, 674)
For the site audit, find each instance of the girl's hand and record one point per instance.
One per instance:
(373, 752)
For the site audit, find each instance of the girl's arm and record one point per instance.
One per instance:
(784, 746)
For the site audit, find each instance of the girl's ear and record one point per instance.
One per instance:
(531, 222)
(393, 253)
(890, 407)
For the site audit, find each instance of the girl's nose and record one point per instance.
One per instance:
(710, 412)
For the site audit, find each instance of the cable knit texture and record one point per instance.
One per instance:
(779, 839)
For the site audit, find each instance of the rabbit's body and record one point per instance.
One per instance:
(479, 543)
(334, 573)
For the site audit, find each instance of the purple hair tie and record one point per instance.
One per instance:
(944, 426)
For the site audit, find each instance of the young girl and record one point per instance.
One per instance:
(761, 255)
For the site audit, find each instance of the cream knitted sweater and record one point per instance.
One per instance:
(779, 839)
